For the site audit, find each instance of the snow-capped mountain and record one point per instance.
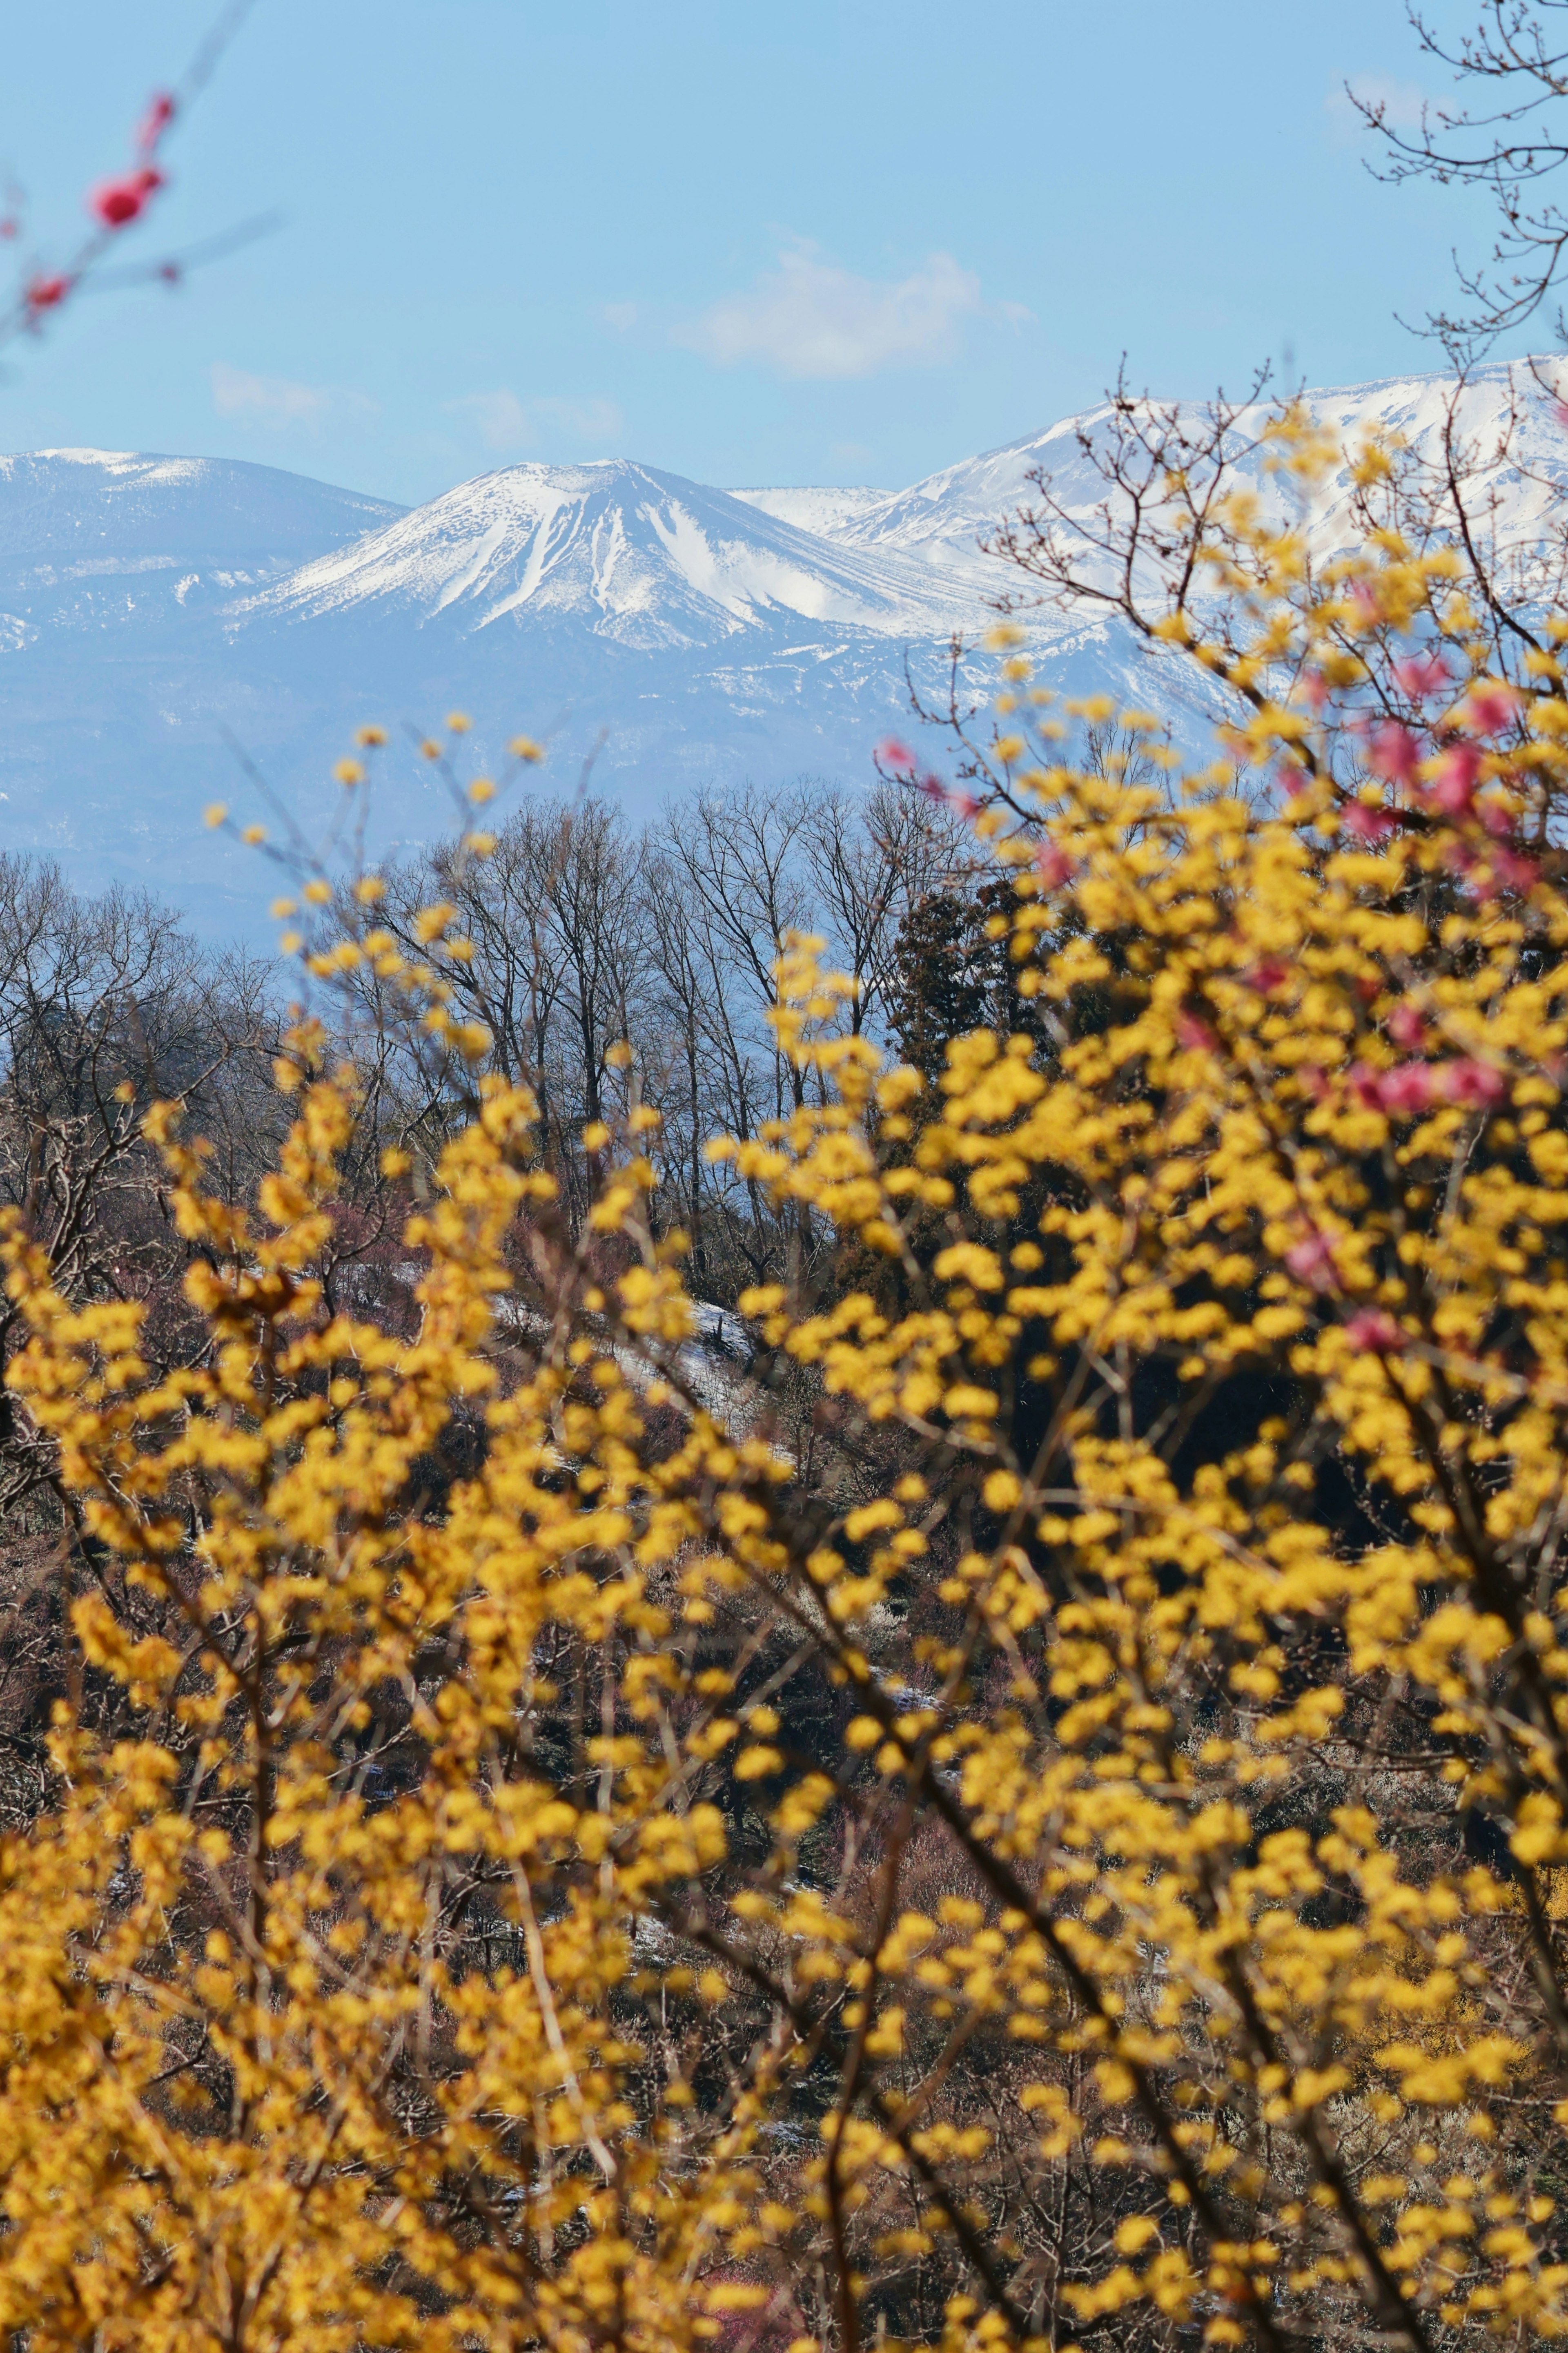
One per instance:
(93, 538)
(646, 559)
(153, 607)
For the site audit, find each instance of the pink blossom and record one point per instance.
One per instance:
(1052, 866)
(1496, 819)
(1476, 1085)
(1195, 1035)
(1311, 1261)
(1368, 824)
(1314, 690)
(964, 805)
(1370, 1328)
(896, 757)
(1512, 872)
(1408, 1087)
(1270, 974)
(1394, 752)
(1453, 787)
(1490, 705)
(43, 293)
(1406, 1026)
(117, 203)
(155, 123)
(1419, 675)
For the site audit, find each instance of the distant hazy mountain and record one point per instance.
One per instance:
(93, 540)
(682, 635)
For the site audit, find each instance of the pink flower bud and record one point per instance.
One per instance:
(1370, 1328)
(1195, 1037)
(1406, 1026)
(1311, 1261)
(1453, 787)
(1419, 675)
(896, 757)
(1394, 752)
(43, 293)
(1408, 1087)
(1052, 866)
(1512, 872)
(1476, 1085)
(155, 123)
(1368, 824)
(934, 790)
(1490, 705)
(1270, 974)
(964, 805)
(1366, 1085)
(117, 203)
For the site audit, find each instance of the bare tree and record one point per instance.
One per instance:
(870, 861)
(1505, 135)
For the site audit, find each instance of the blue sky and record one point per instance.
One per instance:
(811, 243)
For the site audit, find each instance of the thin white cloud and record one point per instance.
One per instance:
(810, 317)
(622, 316)
(505, 422)
(500, 418)
(274, 400)
(1401, 102)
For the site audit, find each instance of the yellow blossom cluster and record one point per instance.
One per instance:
(1078, 1848)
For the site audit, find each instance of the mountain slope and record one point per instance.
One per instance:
(100, 538)
(679, 635)
(824, 512)
(938, 524)
(646, 559)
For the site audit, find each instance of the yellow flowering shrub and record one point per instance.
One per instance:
(1066, 1846)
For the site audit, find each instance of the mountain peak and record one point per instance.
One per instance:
(671, 634)
(121, 505)
(644, 557)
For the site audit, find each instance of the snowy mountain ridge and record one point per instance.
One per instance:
(645, 558)
(151, 607)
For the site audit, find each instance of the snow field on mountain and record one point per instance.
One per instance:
(156, 610)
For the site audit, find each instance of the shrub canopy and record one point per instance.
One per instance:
(1059, 1841)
